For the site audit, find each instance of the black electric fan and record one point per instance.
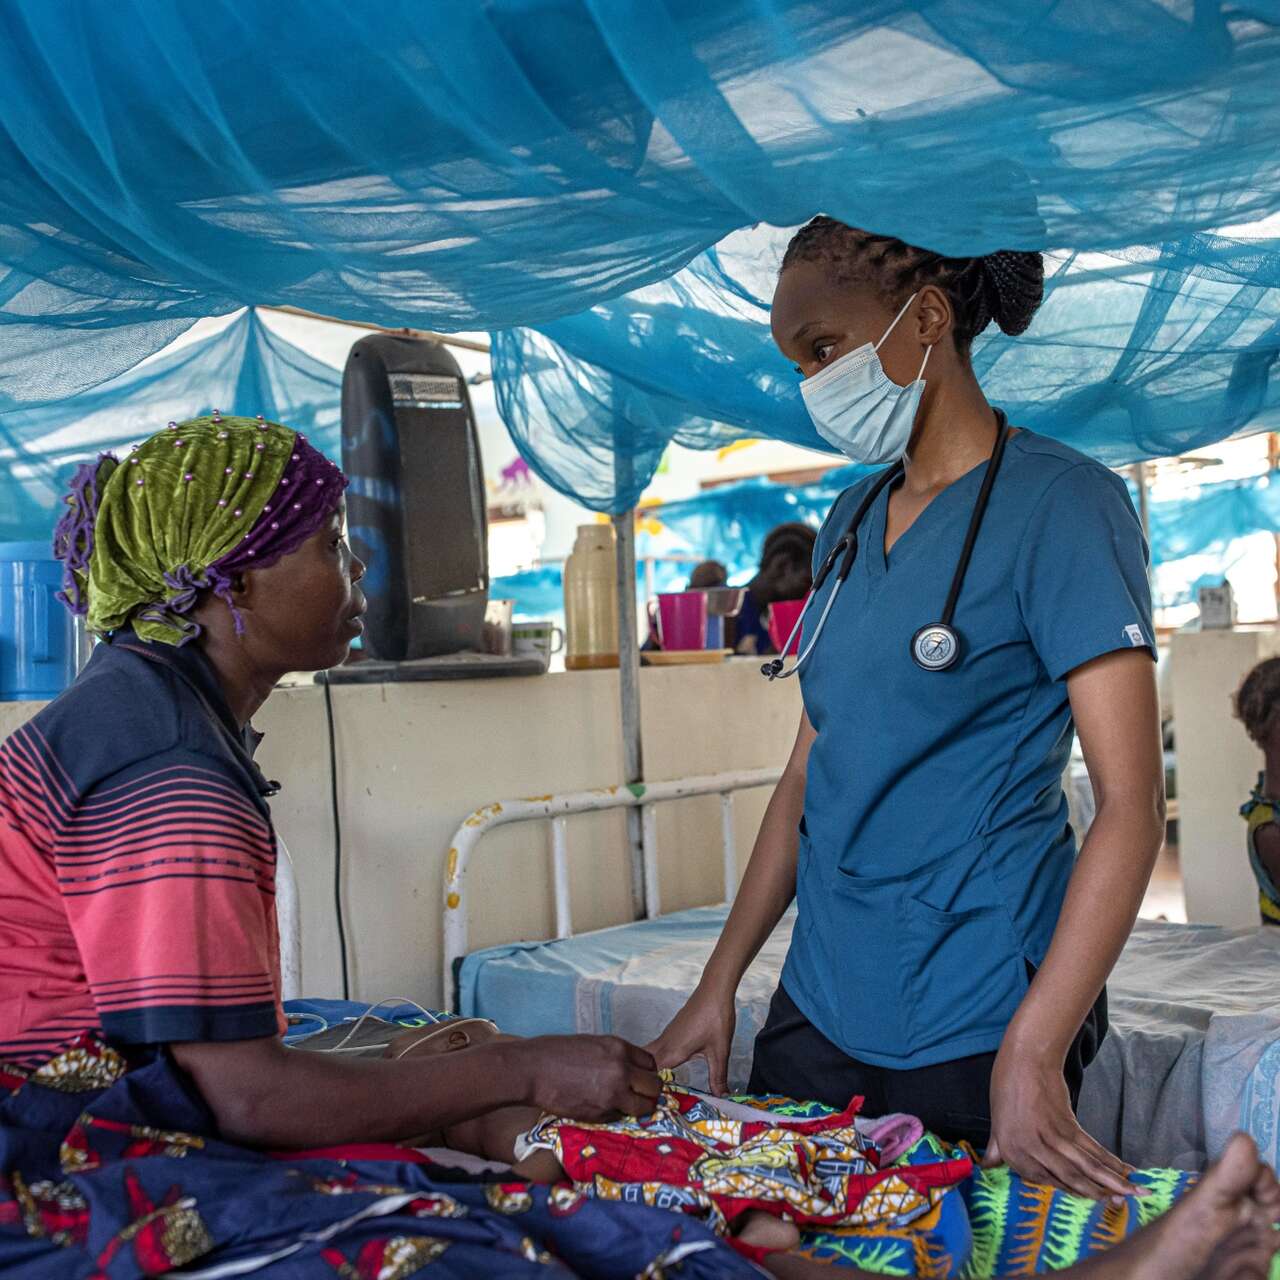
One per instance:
(416, 512)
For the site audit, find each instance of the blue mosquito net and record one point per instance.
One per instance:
(729, 523)
(246, 365)
(508, 163)
(249, 366)
(1136, 353)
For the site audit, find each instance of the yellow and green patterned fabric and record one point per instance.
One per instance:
(998, 1224)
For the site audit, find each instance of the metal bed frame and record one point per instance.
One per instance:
(557, 810)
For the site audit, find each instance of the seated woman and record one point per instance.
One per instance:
(137, 856)
(1258, 708)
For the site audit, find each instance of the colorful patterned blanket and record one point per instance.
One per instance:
(830, 1170)
(997, 1225)
(111, 1175)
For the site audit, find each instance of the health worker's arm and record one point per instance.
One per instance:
(1116, 710)
(705, 1025)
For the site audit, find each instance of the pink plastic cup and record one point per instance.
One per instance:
(783, 615)
(682, 620)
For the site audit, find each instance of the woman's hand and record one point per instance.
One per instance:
(1113, 700)
(588, 1077)
(704, 1027)
(1034, 1132)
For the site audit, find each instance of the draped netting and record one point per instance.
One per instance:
(487, 165)
(729, 523)
(1195, 539)
(245, 368)
(1136, 353)
(249, 366)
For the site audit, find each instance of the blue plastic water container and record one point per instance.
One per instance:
(38, 652)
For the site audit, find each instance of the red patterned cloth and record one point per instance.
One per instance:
(691, 1157)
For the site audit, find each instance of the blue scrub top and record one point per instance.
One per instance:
(935, 850)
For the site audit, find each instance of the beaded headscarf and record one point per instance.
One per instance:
(142, 540)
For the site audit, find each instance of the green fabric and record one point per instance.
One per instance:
(994, 1225)
(152, 521)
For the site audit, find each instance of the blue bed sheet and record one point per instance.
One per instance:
(1193, 1053)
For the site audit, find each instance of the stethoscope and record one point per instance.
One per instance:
(936, 646)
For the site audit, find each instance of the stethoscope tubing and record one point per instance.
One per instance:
(847, 546)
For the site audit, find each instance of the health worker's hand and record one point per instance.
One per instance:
(703, 1028)
(1035, 1133)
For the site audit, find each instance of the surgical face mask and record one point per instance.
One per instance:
(859, 409)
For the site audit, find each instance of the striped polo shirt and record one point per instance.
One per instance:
(137, 863)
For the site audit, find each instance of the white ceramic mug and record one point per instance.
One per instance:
(536, 640)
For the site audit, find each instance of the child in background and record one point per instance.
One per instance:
(1258, 708)
(786, 573)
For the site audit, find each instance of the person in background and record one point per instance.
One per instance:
(786, 573)
(708, 575)
(1258, 709)
(705, 577)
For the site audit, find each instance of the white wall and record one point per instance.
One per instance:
(415, 759)
(1217, 768)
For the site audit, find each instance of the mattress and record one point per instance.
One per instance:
(1193, 1054)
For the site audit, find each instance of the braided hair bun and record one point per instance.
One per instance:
(1006, 286)
(1013, 285)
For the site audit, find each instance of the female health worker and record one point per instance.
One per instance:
(950, 948)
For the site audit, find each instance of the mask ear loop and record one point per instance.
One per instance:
(893, 326)
(896, 318)
(923, 362)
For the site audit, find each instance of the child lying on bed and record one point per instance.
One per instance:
(758, 1178)
(750, 1174)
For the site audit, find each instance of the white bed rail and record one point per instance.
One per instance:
(557, 810)
(289, 924)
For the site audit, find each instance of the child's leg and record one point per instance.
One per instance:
(491, 1136)
(494, 1136)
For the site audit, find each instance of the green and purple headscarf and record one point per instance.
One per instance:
(195, 505)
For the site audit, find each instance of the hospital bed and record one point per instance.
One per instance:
(1194, 1049)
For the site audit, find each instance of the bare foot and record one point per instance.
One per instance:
(1238, 1191)
(765, 1231)
(539, 1166)
(1245, 1254)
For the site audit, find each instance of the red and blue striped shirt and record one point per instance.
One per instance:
(137, 863)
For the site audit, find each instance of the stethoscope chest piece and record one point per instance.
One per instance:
(935, 647)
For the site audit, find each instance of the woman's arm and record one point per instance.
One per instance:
(705, 1024)
(1114, 702)
(265, 1095)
